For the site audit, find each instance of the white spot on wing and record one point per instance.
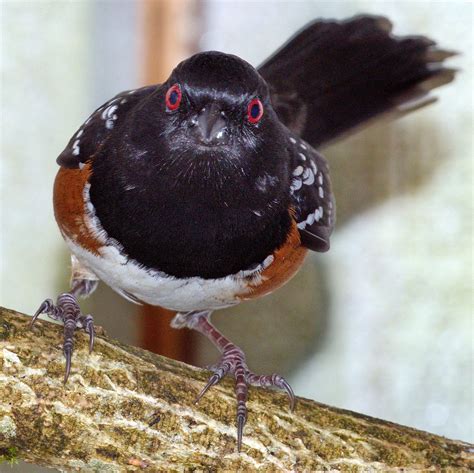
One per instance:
(321, 192)
(109, 116)
(112, 110)
(292, 140)
(298, 171)
(308, 177)
(75, 148)
(296, 184)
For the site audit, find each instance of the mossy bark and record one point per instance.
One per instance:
(100, 420)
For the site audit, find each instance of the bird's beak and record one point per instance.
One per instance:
(211, 126)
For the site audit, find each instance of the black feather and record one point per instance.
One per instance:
(95, 130)
(333, 76)
(311, 195)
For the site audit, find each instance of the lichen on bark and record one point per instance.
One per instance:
(101, 420)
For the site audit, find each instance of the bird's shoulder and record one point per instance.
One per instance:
(92, 134)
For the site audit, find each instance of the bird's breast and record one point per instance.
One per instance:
(185, 230)
(106, 257)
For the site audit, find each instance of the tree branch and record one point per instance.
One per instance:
(99, 420)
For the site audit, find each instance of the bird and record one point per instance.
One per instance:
(207, 190)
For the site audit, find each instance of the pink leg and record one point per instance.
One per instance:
(67, 310)
(232, 361)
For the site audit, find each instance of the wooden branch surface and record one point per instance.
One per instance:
(99, 420)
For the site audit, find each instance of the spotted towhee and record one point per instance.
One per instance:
(206, 191)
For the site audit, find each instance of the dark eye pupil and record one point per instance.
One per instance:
(173, 98)
(255, 110)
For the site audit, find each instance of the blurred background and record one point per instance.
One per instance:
(382, 324)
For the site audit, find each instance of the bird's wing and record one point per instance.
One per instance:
(95, 130)
(332, 76)
(311, 194)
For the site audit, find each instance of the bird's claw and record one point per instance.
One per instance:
(68, 311)
(233, 362)
(214, 379)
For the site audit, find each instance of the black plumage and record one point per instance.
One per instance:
(333, 76)
(188, 209)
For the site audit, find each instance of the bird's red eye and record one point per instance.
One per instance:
(254, 111)
(173, 97)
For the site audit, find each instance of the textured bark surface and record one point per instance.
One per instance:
(99, 420)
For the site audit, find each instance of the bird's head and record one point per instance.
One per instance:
(215, 100)
(211, 125)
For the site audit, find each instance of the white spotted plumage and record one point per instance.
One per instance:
(110, 116)
(311, 218)
(310, 188)
(296, 185)
(308, 177)
(75, 148)
(99, 124)
(298, 171)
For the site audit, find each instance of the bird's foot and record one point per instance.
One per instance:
(68, 311)
(233, 362)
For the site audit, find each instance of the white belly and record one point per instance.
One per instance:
(156, 288)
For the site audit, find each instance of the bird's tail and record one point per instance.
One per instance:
(332, 77)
